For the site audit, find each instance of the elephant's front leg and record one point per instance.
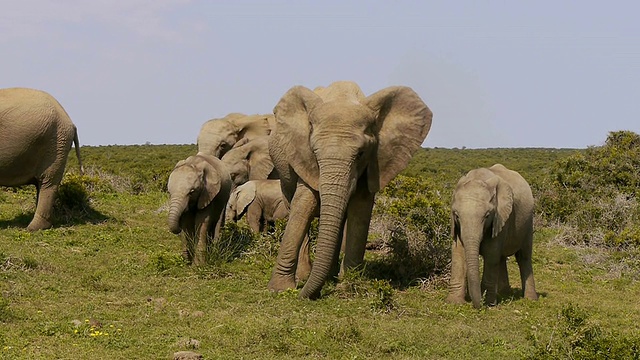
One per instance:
(46, 195)
(357, 228)
(187, 225)
(458, 281)
(203, 238)
(490, 276)
(304, 207)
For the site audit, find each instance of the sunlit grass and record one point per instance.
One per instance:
(116, 287)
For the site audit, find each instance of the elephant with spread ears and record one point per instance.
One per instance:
(250, 160)
(492, 217)
(199, 189)
(36, 135)
(334, 149)
(217, 136)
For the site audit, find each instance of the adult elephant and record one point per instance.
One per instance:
(36, 134)
(491, 216)
(334, 149)
(217, 136)
(250, 160)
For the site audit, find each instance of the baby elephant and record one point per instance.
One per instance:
(492, 216)
(199, 189)
(261, 200)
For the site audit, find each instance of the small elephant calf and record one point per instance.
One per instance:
(492, 217)
(199, 189)
(263, 203)
(261, 200)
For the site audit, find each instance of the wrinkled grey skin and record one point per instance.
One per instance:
(35, 138)
(491, 216)
(334, 149)
(199, 189)
(218, 136)
(263, 202)
(250, 160)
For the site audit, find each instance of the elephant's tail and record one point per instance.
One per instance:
(76, 144)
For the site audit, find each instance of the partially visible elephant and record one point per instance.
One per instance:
(217, 136)
(261, 200)
(250, 160)
(36, 134)
(199, 189)
(491, 216)
(334, 149)
(263, 203)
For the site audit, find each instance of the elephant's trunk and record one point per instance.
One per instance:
(472, 252)
(176, 209)
(335, 190)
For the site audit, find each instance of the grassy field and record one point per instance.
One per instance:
(108, 283)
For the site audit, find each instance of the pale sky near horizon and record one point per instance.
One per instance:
(495, 73)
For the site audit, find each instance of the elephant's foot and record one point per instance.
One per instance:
(531, 295)
(455, 299)
(38, 223)
(200, 259)
(280, 283)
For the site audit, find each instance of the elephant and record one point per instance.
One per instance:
(199, 189)
(35, 139)
(217, 136)
(334, 149)
(492, 217)
(250, 160)
(263, 202)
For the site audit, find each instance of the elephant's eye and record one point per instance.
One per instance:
(192, 191)
(360, 153)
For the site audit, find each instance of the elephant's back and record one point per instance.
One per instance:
(30, 123)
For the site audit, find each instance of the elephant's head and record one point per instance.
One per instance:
(239, 200)
(249, 160)
(218, 136)
(338, 140)
(193, 184)
(482, 203)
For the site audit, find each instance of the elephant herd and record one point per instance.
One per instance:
(322, 153)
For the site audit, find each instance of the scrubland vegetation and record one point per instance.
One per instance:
(108, 280)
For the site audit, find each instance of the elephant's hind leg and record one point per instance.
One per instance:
(523, 257)
(46, 196)
(503, 278)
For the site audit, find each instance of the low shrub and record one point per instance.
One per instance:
(596, 192)
(411, 223)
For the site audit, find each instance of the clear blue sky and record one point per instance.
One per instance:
(495, 73)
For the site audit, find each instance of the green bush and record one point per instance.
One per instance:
(72, 192)
(412, 223)
(596, 192)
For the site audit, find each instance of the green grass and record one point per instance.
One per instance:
(114, 287)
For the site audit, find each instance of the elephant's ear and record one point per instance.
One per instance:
(180, 163)
(246, 195)
(260, 163)
(293, 129)
(252, 126)
(211, 186)
(504, 204)
(403, 121)
(239, 143)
